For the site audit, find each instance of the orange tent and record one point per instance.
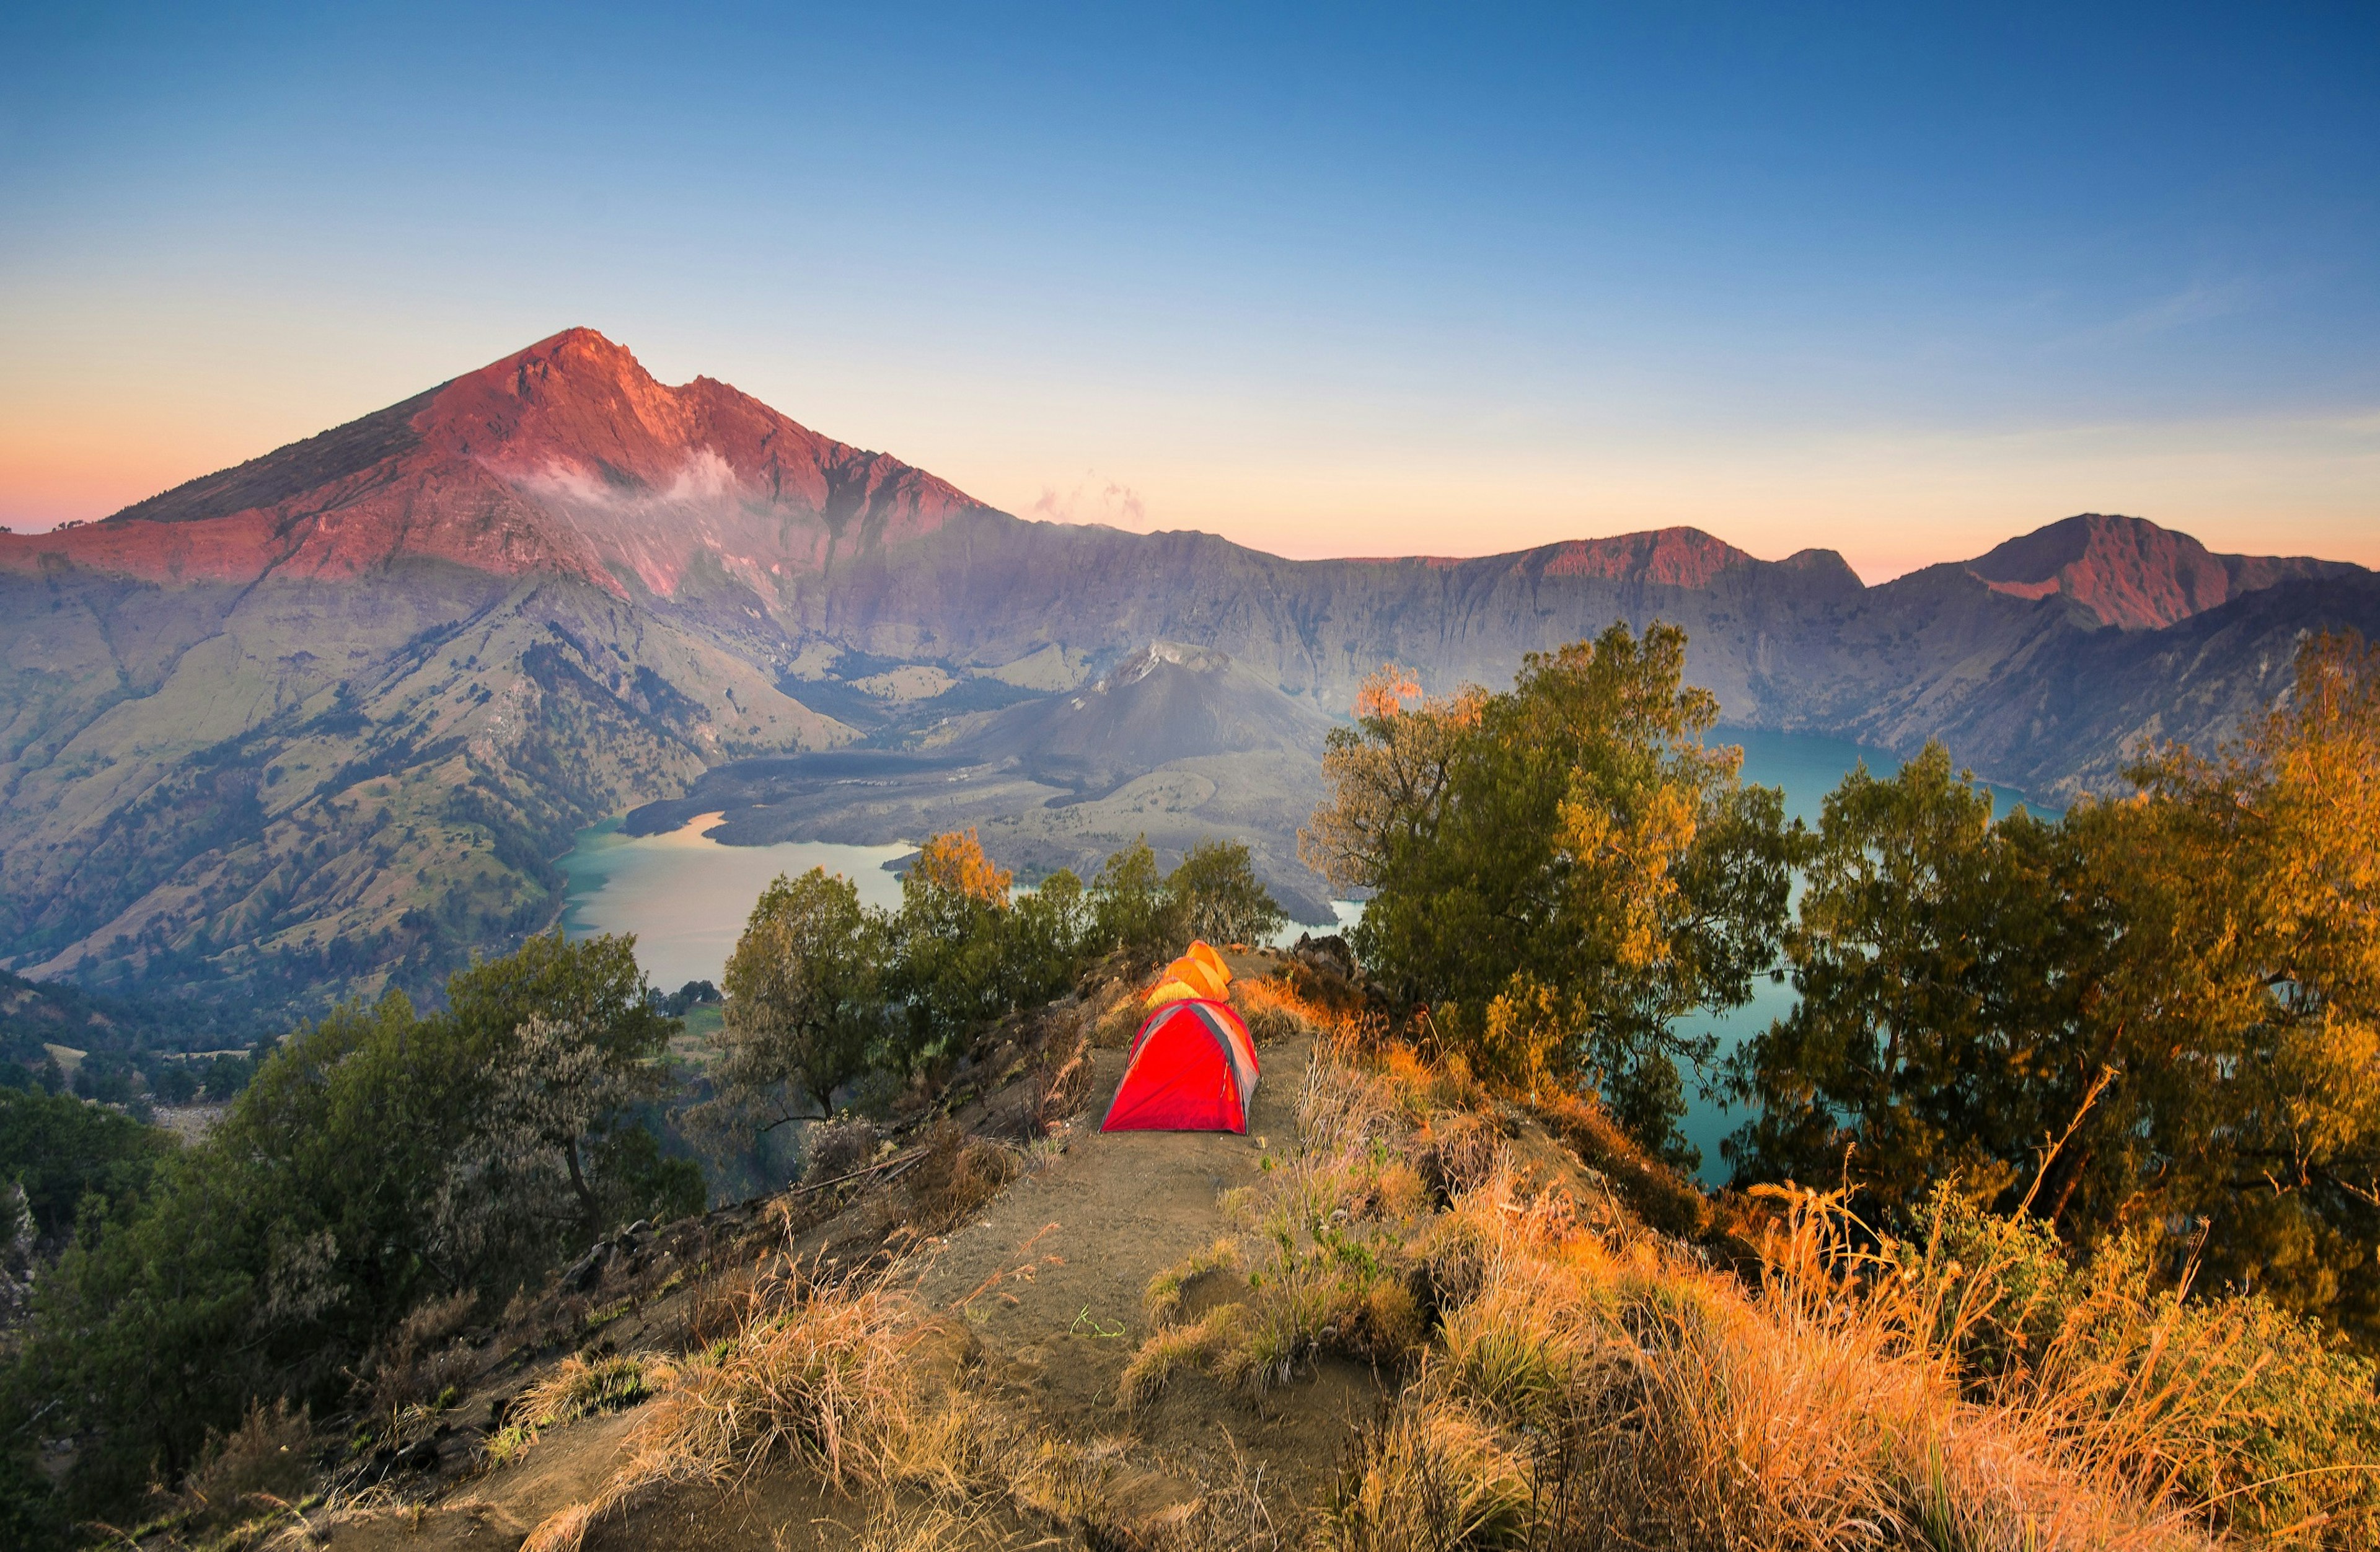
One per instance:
(1204, 954)
(1200, 973)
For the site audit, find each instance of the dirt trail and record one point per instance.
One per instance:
(1043, 1285)
(1048, 1277)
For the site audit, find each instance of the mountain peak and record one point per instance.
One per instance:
(567, 457)
(2129, 572)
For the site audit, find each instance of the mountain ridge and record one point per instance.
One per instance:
(319, 723)
(577, 420)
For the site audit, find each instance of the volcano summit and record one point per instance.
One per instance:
(318, 723)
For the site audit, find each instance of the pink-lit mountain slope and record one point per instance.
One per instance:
(567, 459)
(321, 722)
(2133, 574)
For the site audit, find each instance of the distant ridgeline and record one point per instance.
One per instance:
(318, 725)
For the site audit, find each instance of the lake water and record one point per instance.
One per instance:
(686, 899)
(1807, 767)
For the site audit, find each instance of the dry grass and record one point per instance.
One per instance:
(822, 1384)
(1072, 1486)
(832, 1381)
(724, 1301)
(958, 1174)
(1583, 1383)
(1328, 1244)
(820, 1380)
(2222, 1407)
(258, 1466)
(1273, 1013)
(1569, 1380)
(1061, 1079)
(1178, 1348)
(929, 1527)
(1579, 1381)
(1655, 1193)
(422, 1360)
(1118, 1014)
(576, 1388)
(1162, 1299)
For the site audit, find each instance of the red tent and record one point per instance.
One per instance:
(1193, 1068)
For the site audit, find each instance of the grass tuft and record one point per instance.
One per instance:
(1162, 1300)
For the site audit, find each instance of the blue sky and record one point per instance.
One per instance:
(1899, 280)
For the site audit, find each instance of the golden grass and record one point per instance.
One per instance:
(1584, 1384)
(576, 1388)
(819, 1378)
(2221, 1409)
(1177, 1349)
(1162, 1300)
(929, 1527)
(1580, 1381)
(1273, 1013)
(1568, 1377)
(1119, 1014)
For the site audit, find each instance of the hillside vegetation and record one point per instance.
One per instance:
(320, 725)
(2056, 1228)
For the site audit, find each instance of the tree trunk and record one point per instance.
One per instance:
(2066, 1191)
(578, 1184)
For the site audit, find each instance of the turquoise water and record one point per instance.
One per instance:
(686, 898)
(1807, 767)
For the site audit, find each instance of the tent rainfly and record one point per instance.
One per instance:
(1191, 1069)
(1199, 973)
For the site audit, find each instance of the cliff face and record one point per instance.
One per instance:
(318, 723)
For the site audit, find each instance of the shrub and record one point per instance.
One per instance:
(417, 1361)
(958, 1174)
(838, 1146)
(269, 1456)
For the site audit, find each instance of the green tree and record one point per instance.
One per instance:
(61, 1149)
(1131, 908)
(2159, 1016)
(1044, 938)
(379, 1157)
(948, 972)
(564, 1041)
(2245, 1011)
(805, 1002)
(1947, 970)
(1560, 872)
(1216, 895)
